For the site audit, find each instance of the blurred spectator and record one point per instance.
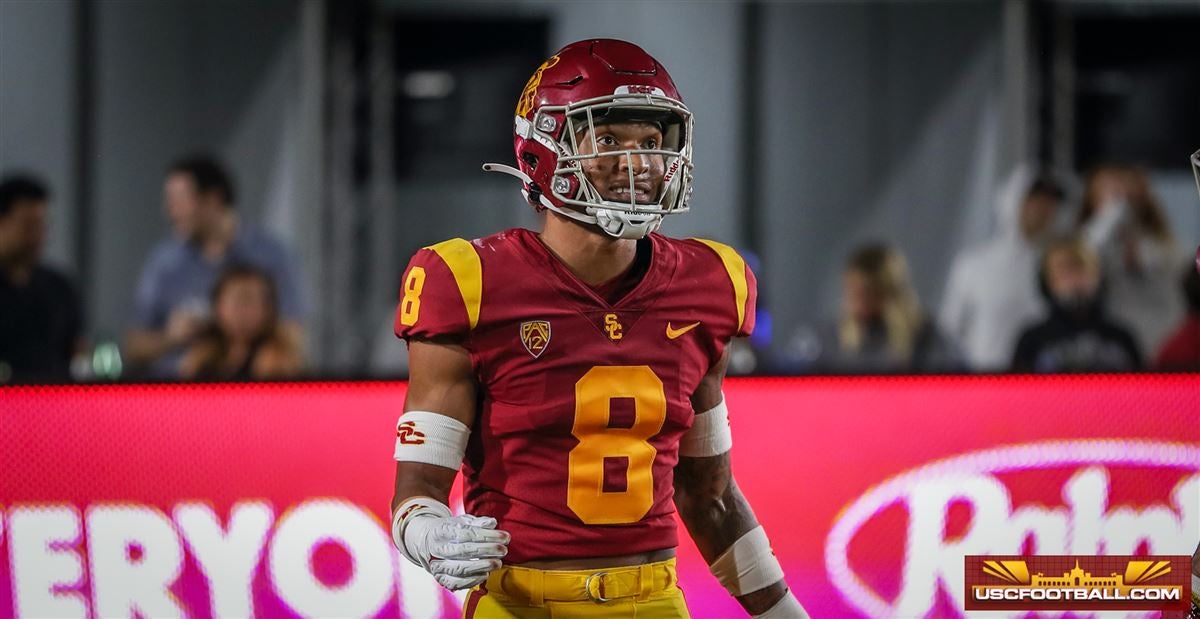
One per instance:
(1122, 220)
(992, 291)
(1182, 349)
(41, 320)
(1076, 336)
(882, 328)
(171, 304)
(389, 354)
(244, 340)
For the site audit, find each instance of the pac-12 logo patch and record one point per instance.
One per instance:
(535, 335)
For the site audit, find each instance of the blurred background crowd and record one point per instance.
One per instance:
(226, 190)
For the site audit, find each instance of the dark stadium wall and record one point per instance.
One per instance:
(167, 78)
(37, 107)
(172, 78)
(700, 46)
(885, 123)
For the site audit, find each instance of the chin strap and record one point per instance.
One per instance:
(619, 224)
(624, 225)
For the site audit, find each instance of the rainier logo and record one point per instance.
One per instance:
(1053, 583)
(535, 335)
(1015, 503)
(408, 434)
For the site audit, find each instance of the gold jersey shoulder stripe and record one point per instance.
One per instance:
(736, 267)
(460, 256)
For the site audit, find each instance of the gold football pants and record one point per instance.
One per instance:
(649, 591)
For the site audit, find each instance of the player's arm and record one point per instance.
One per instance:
(440, 380)
(431, 439)
(717, 515)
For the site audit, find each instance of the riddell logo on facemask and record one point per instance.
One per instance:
(671, 172)
(899, 547)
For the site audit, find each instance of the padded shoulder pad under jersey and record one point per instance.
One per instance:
(743, 283)
(441, 291)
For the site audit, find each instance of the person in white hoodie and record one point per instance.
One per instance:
(992, 292)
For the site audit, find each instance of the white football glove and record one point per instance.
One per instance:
(460, 551)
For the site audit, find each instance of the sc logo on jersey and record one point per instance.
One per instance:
(613, 326)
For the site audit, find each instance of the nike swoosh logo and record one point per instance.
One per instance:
(674, 333)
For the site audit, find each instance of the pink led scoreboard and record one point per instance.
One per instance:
(272, 499)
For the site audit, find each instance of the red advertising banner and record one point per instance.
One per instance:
(272, 500)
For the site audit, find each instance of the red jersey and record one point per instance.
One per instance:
(582, 403)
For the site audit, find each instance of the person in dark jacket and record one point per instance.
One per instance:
(1077, 336)
(41, 316)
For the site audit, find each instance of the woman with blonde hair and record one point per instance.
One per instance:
(882, 328)
(1122, 220)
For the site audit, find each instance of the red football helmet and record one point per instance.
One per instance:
(590, 83)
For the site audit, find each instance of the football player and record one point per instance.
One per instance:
(575, 373)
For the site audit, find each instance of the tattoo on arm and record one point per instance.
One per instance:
(716, 515)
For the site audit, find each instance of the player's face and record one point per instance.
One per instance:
(242, 308)
(610, 175)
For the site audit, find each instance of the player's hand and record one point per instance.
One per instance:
(459, 551)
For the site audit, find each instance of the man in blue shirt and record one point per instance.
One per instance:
(173, 294)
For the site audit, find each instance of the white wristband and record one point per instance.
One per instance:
(432, 438)
(788, 607)
(748, 565)
(418, 506)
(709, 435)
